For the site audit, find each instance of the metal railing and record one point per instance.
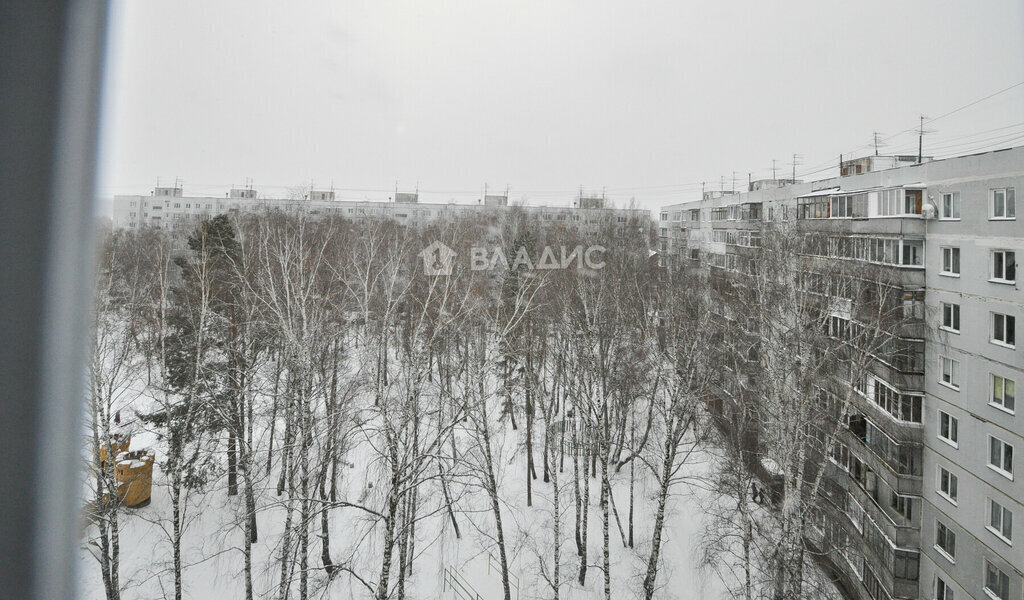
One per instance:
(452, 580)
(513, 580)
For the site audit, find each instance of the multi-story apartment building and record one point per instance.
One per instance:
(169, 207)
(928, 466)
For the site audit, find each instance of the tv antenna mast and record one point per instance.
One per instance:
(921, 131)
(877, 142)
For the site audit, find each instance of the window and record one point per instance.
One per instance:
(950, 372)
(842, 206)
(945, 540)
(948, 425)
(1004, 266)
(902, 407)
(997, 583)
(1000, 456)
(913, 252)
(906, 564)
(1003, 393)
(876, 591)
(950, 206)
(951, 317)
(889, 202)
(904, 505)
(912, 202)
(1000, 520)
(1003, 205)
(950, 261)
(1003, 329)
(942, 590)
(947, 484)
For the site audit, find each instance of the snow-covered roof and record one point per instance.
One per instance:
(825, 192)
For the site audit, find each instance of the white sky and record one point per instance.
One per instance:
(645, 98)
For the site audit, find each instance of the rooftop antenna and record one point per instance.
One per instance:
(920, 137)
(796, 161)
(877, 143)
(734, 182)
(920, 140)
(773, 170)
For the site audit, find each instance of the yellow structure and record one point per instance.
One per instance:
(119, 442)
(133, 472)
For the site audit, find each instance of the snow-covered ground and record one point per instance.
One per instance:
(213, 541)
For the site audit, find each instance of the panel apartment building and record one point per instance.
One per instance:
(169, 207)
(935, 478)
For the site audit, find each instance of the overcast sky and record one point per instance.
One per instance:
(643, 99)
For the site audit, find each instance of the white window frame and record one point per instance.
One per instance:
(954, 482)
(950, 557)
(1002, 457)
(1001, 277)
(994, 508)
(1009, 325)
(954, 372)
(1000, 382)
(948, 253)
(988, 591)
(954, 205)
(1009, 204)
(954, 429)
(950, 317)
(943, 591)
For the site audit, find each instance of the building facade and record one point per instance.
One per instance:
(169, 207)
(929, 473)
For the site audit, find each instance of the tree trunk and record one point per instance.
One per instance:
(176, 532)
(659, 518)
(585, 507)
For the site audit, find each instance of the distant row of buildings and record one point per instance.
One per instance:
(931, 471)
(170, 207)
